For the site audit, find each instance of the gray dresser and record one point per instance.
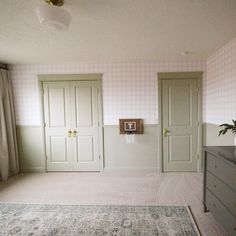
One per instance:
(219, 188)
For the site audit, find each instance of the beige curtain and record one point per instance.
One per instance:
(9, 164)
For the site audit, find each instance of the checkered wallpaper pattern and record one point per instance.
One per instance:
(220, 85)
(129, 89)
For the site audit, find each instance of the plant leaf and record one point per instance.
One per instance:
(227, 127)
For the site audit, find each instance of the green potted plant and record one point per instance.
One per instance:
(231, 127)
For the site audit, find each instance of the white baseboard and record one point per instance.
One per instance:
(130, 170)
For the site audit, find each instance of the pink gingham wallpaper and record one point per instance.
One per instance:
(129, 89)
(220, 85)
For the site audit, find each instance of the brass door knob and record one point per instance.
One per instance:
(74, 132)
(165, 132)
(69, 133)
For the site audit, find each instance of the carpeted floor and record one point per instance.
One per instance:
(71, 220)
(182, 189)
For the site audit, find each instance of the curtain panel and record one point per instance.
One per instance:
(9, 163)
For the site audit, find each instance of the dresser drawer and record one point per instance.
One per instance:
(221, 213)
(224, 193)
(221, 169)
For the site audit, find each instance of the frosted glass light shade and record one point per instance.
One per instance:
(53, 17)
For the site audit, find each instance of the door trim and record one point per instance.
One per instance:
(72, 77)
(179, 75)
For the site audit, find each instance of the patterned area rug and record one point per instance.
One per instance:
(71, 220)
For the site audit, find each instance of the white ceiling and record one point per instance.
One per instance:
(117, 31)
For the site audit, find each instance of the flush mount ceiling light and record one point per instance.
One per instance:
(53, 16)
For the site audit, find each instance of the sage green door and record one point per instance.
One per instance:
(180, 124)
(71, 125)
(85, 120)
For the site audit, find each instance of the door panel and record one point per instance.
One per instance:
(84, 106)
(180, 119)
(58, 146)
(85, 149)
(85, 120)
(179, 147)
(179, 105)
(56, 107)
(57, 115)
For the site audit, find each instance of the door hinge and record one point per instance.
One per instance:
(197, 157)
(197, 123)
(44, 124)
(46, 157)
(42, 91)
(99, 157)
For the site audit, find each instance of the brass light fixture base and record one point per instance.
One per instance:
(55, 2)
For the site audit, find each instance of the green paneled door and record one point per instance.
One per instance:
(71, 125)
(84, 101)
(180, 124)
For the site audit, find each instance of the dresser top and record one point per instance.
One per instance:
(225, 152)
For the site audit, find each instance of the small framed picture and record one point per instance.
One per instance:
(130, 126)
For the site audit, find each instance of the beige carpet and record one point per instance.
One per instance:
(112, 189)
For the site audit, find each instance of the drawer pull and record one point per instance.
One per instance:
(215, 186)
(214, 205)
(215, 166)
